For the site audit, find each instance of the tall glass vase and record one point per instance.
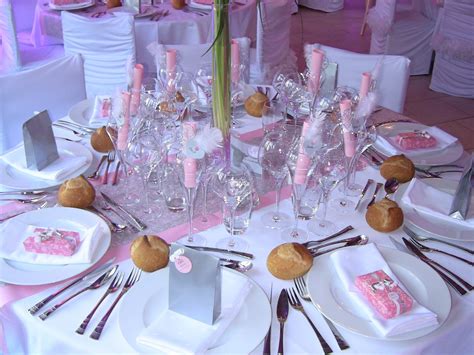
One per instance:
(221, 72)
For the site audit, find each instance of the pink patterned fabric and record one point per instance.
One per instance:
(386, 297)
(53, 242)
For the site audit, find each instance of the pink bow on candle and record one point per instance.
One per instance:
(317, 57)
(349, 138)
(365, 84)
(235, 60)
(137, 83)
(122, 136)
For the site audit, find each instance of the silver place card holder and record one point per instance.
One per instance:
(196, 292)
(39, 142)
(330, 79)
(462, 197)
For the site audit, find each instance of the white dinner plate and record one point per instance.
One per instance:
(18, 273)
(148, 298)
(78, 6)
(422, 282)
(147, 11)
(446, 156)
(429, 226)
(11, 178)
(199, 6)
(81, 112)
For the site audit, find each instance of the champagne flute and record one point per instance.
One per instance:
(272, 157)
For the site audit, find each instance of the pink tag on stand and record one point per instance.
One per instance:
(183, 264)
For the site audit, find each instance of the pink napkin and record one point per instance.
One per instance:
(303, 162)
(235, 59)
(123, 130)
(349, 138)
(137, 84)
(365, 84)
(317, 57)
(190, 164)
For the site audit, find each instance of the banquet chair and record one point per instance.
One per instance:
(391, 81)
(273, 41)
(24, 13)
(323, 5)
(15, 56)
(406, 33)
(107, 46)
(55, 86)
(453, 42)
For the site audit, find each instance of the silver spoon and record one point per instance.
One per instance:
(391, 186)
(360, 240)
(240, 266)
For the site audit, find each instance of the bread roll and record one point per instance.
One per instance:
(77, 192)
(254, 104)
(178, 4)
(398, 167)
(384, 216)
(101, 141)
(149, 253)
(288, 261)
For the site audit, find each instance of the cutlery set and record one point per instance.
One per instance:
(108, 160)
(115, 284)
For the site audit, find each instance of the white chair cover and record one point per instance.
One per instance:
(453, 41)
(10, 54)
(55, 87)
(24, 14)
(406, 33)
(106, 45)
(391, 81)
(323, 5)
(273, 40)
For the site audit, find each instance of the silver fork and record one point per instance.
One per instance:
(110, 159)
(95, 174)
(302, 289)
(96, 284)
(427, 249)
(295, 303)
(131, 280)
(43, 205)
(24, 200)
(114, 286)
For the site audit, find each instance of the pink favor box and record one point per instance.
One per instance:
(65, 245)
(388, 299)
(415, 140)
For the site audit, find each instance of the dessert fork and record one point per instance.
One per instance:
(302, 289)
(110, 159)
(419, 238)
(114, 286)
(96, 284)
(95, 174)
(427, 249)
(132, 279)
(295, 303)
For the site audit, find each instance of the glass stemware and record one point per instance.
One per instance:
(212, 163)
(234, 186)
(272, 157)
(204, 82)
(272, 116)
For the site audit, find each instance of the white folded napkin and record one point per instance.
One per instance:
(436, 203)
(102, 110)
(352, 262)
(175, 333)
(64, 166)
(12, 248)
(444, 140)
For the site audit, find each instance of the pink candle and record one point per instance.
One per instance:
(137, 84)
(189, 164)
(235, 58)
(349, 138)
(171, 63)
(365, 84)
(122, 136)
(317, 57)
(303, 162)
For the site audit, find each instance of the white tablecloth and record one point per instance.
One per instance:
(27, 334)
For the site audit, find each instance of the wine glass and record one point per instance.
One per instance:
(234, 186)
(204, 82)
(272, 157)
(272, 116)
(212, 163)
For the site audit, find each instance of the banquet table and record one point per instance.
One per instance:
(178, 27)
(23, 333)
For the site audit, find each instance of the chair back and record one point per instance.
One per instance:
(9, 51)
(107, 45)
(391, 82)
(55, 87)
(380, 20)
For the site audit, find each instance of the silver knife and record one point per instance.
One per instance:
(282, 315)
(224, 251)
(134, 220)
(268, 337)
(364, 191)
(92, 273)
(376, 192)
(446, 278)
(462, 197)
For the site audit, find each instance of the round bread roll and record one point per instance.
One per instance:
(384, 216)
(149, 253)
(101, 141)
(178, 4)
(288, 261)
(77, 192)
(254, 104)
(398, 167)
